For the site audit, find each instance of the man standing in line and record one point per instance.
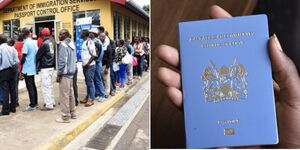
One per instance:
(29, 69)
(88, 56)
(106, 61)
(45, 63)
(100, 94)
(66, 67)
(8, 72)
(112, 46)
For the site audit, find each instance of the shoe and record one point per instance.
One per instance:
(113, 93)
(60, 120)
(13, 110)
(29, 109)
(46, 109)
(97, 98)
(89, 103)
(73, 117)
(4, 114)
(85, 100)
(101, 99)
(139, 77)
(53, 105)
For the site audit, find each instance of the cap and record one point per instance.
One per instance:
(93, 30)
(46, 32)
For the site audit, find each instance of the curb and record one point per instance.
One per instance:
(61, 141)
(64, 139)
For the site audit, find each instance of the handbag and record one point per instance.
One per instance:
(127, 59)
(116, 67)
(134, 62)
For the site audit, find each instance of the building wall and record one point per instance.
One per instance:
(124, 12)
(105, 6)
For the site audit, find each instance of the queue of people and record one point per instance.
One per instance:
(107, 65)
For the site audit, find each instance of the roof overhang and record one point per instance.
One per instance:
(131, 5)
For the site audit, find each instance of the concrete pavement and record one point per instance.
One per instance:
(38, 130)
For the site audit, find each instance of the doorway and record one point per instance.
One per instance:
(47, 24)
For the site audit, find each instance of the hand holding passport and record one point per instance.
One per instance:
(286, 89)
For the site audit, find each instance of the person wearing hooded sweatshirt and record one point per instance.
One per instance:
(45, 63)
(66, 67)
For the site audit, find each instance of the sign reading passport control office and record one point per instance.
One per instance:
(46, 8)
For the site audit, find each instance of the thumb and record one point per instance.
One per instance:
(284, 71)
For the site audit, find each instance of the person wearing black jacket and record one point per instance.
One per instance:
(106, 62)
(112, 45)
(45, 64)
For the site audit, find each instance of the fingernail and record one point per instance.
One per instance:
(277, 42)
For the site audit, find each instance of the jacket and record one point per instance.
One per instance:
(66, 62)
(45, 57)
(109, 55)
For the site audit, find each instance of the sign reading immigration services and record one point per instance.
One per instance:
(45, 8)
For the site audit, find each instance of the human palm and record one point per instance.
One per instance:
(286, 85)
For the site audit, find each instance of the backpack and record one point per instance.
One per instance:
(98, 49)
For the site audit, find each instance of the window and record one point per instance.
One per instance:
(133, 28)
(95, 14)
(117, 26)
(139, 29)
(11, 28)
(127, 27)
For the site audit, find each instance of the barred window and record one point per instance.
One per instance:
(127, 27)
(11, 28)
(117, 25)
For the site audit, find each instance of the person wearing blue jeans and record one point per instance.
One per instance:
(88, 56)
(100, 94)
(122, 74)
(121, 52)
(89, 74)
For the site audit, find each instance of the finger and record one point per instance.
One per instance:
(284, 70)
(169, 77)
(168, 54)
(276, 90)
(276, 86)
(218, 12)
(175, 96)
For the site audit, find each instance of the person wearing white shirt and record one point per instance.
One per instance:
(88, 55)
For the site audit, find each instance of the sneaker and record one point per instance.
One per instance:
(89, 103)
(113, 93)
(97, 98)
(53, 105)
(85, 100)
(129, 82)
(29, 109)
(46, 109)
(73, 117)
(139, 77)
(102, 99)
(60, 120)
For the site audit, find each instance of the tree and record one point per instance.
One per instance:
(146, 8)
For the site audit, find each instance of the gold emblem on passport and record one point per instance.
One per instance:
(226, 83)
(229, 131)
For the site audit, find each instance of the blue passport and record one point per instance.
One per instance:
(227, 86)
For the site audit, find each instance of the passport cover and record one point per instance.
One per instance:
(227, 82)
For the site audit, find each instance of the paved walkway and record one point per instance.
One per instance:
(38, 130)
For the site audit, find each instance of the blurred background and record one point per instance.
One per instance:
(167, 122)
